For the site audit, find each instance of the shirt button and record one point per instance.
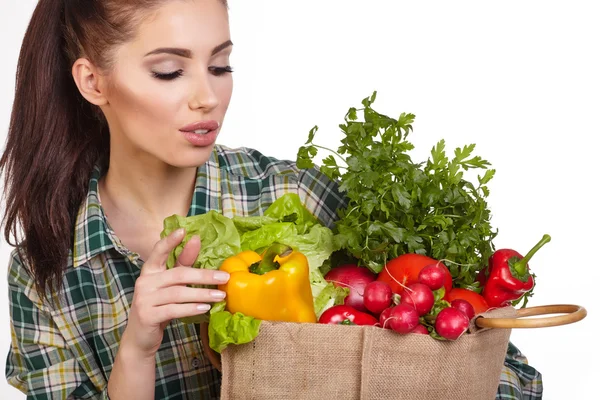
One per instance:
(196, 363)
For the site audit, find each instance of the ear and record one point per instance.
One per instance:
(90, 82)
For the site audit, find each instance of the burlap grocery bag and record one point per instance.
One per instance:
(317, 361)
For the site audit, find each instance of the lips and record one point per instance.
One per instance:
(201, 133)
(201, 127)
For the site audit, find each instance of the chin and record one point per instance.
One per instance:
(193, 157)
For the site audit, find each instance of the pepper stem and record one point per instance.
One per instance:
(520, 266)
(268, 262)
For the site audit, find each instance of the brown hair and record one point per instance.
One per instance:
(55, 136)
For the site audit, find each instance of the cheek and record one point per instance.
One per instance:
(142, 105)
(223, 88)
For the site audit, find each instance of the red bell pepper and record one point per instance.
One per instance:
(508, 276)
(346, 315)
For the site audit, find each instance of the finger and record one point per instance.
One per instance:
(184, 294)
(191, 276)
(172, 311)
(190, 252)
(160, 253)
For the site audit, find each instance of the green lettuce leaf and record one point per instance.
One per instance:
(245, 224)
(327, 295)
(317, 245)
(220, 239)
(289, 207)
(261, 238)
(225, 328)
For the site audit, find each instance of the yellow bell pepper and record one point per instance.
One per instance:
(274, 287)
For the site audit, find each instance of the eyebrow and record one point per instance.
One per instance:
(186, 52)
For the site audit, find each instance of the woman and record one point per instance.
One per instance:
(117, 110)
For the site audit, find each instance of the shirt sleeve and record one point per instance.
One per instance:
(39, 361)
(518, 380)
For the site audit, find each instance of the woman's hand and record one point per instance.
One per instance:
(161, 295)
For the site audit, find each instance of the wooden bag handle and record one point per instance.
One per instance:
(572, 313)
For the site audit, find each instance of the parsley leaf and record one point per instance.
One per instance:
(396, 205)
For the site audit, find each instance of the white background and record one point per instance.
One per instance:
(519, 79)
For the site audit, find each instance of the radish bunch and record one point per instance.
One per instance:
(421, 304)
(419, 308)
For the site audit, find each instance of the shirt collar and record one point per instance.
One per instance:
(91, 230)
(93, 235)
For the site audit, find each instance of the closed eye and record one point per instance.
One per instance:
(168, 76)
(218, 71)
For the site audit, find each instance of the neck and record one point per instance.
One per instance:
(152, 192)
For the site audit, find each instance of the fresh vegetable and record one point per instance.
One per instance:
(286, 221)
(226, 328)
(509, 278)
(355, 278)
(384, 316)
(343, 314)
(398, 206)
(402, 318)
(218, 234)
(418, 296)
(476, 300)
(465, 307)
(451, 323)
(428, 319)
(404, 270)
(420, 329)
(273, 287)
(377, 296)
(434, 276)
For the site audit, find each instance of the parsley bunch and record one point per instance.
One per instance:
(398, 206)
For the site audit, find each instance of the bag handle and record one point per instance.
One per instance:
(572, 313)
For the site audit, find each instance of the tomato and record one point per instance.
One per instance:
(477, 301)
(404, 270)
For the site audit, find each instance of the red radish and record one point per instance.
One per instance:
(404, 270)
(420, 329)
(465, 307)
(433, 276)
(384, 316)
(377, 296)
(451, 323)
(403, 318)
(418, 296)
(477, 301)
(355, 278)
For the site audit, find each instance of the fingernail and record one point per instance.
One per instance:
(203, 307)
(179, 232)
(217, 294)
(221, 276)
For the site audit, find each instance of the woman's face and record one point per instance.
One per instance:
(169, 88)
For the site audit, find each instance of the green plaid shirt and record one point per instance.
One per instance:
(67, 350)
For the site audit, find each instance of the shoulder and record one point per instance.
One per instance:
(320, 195)
(251, 163)
(18, 273)
(21, 282)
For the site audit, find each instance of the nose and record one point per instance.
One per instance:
(203, 96)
